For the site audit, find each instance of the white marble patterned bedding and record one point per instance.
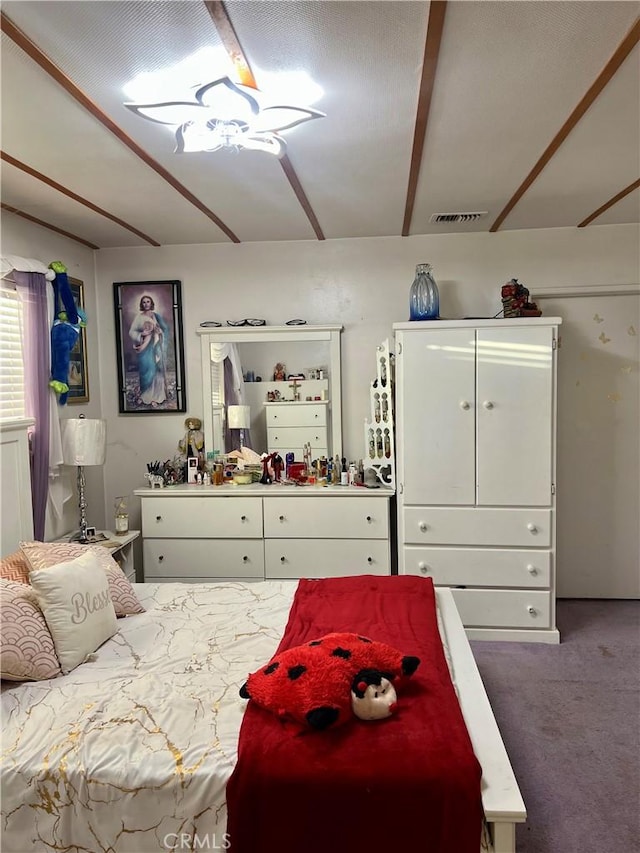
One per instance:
(132, 752)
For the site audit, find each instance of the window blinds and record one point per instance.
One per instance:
(12, 390)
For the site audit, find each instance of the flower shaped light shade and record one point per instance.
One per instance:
(225, 114)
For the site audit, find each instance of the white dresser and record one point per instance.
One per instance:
(292, 425)
(476, 426)
(247, 533)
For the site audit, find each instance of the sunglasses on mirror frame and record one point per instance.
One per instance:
(249, 322)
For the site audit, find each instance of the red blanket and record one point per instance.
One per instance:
(410, 783)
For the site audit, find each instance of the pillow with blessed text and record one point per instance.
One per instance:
(75, 600)
(42, 555)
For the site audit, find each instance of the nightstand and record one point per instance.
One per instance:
(119, 546)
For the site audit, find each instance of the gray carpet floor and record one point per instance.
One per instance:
(569, 716)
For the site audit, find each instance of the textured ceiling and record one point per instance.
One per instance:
(499, 84)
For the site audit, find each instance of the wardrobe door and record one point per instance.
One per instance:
(436, 416)
(515, 417)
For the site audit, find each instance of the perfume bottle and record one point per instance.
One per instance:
(122, 516)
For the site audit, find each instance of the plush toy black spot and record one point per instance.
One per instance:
(296, 671)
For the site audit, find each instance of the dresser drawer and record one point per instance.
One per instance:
(339, 518)
(479, 567)
(285, 437)
(206, 517)
(325, 558)
(497, 608)
(296, 415)
(203, 559)
(477, 526)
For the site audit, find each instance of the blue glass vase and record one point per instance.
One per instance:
(424, 300)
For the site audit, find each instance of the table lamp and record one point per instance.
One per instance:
(239, 417)
(84, 442)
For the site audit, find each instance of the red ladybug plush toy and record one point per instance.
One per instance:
(330, 680)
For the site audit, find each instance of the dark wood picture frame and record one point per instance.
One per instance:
(78, 380)
(149, 347)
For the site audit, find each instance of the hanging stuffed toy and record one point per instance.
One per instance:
(68, 320)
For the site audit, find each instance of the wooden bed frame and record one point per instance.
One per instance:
(501, 798)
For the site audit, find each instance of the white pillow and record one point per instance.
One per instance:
(75, 600)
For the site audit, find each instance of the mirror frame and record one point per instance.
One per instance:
(271, 334)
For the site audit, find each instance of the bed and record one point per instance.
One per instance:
(132, 752)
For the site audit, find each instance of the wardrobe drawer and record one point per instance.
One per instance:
(498, 608)
(325, 558)
(477, 526)
(297, 415)
(284, 437)
(479, 567)
(201, 518)
(342, 518)
(203, 559)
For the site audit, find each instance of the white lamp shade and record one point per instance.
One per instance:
(84, 441)
(239, 417)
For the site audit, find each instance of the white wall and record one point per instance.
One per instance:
(361, 283)
(20, 237)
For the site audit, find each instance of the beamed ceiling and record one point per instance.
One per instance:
(525, 112)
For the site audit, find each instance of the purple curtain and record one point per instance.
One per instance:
(32, 290)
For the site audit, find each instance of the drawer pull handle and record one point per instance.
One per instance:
(424, 568)
(465, 404)
(488, 404)
(369, 519)
(245, 559)
(281, 517)
(161, 558)
(369, 560)
(158, 518)
(243, 518)
(532, 570)
(531, 610)
(423, 525)
(282, 559)
(532, 527)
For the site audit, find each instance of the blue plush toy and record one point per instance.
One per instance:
(69, 319)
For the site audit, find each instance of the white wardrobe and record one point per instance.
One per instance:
(476, 453)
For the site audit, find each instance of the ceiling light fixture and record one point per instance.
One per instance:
(225, 114)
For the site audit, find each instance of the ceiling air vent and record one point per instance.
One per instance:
(458, 217)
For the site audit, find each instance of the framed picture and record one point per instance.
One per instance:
(78, 380)
(149, 345)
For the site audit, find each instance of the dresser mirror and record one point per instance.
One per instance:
(290, 380)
